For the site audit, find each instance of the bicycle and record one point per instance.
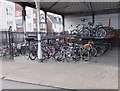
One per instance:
(83, 31)
(47, 52)
(6, 53)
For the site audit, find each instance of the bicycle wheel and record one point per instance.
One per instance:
(107, 46)
(67, 57)
(7, 55)
(86, 55)
(44, 56)
(101, 32)
(100, 50)
(16, 53)
(74, 32)
(32, 55)
(93, 52)
(1, 52)
(58, 56)
(85, 33)
(76, 56)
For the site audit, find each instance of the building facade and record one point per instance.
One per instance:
(7, 16)
(11, 15)
(54, 23)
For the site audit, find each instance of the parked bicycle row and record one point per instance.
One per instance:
(7, 51)
(59, 49)
(63, 50)
(91, 30)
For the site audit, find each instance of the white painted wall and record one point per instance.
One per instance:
(5, 17)
(0, 15)
(104, 19)
(57, 27)
(72, 20)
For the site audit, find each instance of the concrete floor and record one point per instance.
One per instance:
(100, 73)
(6, 84)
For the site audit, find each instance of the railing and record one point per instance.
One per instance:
(17, 36)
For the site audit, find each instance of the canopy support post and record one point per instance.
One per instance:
(24, 21)
(93, 18)
(63, 22)
(39, 32)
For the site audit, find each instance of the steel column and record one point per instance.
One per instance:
(39, 32)
(93, 18)
(63, 22)
(24, 21)
(11, 42)
(45, 21)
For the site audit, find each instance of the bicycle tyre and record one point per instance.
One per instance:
(101, 32)
(58, 56)
(85, 33)
(100, 50)
(86, 55)
(93, 52)
(33, 55)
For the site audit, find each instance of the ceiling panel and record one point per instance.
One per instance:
(105, 5)
(66, 7)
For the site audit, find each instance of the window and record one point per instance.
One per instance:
(35, 25)
(55, 26)
(34, 15)
(42, 25)
(55, 18)
(9, 23)
(60, 19)
(9, 11)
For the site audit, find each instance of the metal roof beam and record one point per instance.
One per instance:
(33, 6)
(53, 5)
(91, 8)
(97, 12)
(106, 11)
